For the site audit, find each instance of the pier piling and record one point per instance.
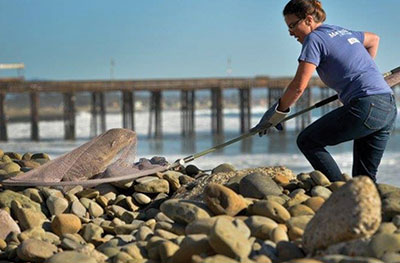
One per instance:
(245, 109)
(3, 119)
(217, 124)
(69, 116)
(34, 116)
(187, 113)
(128, 110)
(303, 120)
(155, 111)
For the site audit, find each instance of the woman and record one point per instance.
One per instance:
(344, 61)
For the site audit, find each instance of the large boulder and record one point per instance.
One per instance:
(257, 185)
(352, 212)
(222, 200)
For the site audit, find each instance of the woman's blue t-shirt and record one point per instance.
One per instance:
(343, 63)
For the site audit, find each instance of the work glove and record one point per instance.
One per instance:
(271, 118)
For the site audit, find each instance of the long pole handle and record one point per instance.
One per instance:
(246, 135)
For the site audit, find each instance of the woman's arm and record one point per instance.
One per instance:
(371, 43)
(297, 85)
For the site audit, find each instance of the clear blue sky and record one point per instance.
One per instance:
(76, 39)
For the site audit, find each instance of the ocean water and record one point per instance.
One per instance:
(274, 149)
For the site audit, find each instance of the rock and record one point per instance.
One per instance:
(299, 221)
(92, 232)
(3, 244)
(336, 185)
(95, 210)
(223, 168)
(352, 212)
(384, 243)
(390, 205)
(72, 241)
(387, 228)
(314, 203)
(88, 193)
(34, 250)
(28, 218)
(295, 233)
(354, 248)
(225, 239)
(153, 186)
(288, 251)
(300, 210)
(162, 217)
(8, 196)
(297, 199)
(348, 259)
(33, 233)
(173, 179)
(133, 250)
(304, 260)
(319, 178)
(321, 192)
(28, 164)
(56, 205)
(167, 250)
(165, 234)
(78, 209)
(192, 170)
(71, 257)
(270, 209)
(192, 245)
(144, 233)
(34, 194)
(11, 167)
(14, 155)
(200, 226)
(257, 185)
(141, 198)
(66, 224)
(90, 251)
(391, 257)
(183, 211)
(234, 181)
(218, 259)
(7, 225)
(175, 228)
(222, 200)
(396, 220)
(122, 257)
(40, 156)
(281, 180)
(281, 199)
(278, 234)
(260, 226)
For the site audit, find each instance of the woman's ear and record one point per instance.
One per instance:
(309, 19)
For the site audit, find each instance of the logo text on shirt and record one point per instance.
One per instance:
(341, 32)
(353, 40)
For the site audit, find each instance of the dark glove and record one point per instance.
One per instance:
(271, 118)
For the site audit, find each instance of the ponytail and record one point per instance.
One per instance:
(302, 8)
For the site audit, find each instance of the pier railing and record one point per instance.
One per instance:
(187, 87)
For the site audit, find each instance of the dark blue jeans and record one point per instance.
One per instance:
(368, 121)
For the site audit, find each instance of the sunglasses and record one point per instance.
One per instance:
(294, 24)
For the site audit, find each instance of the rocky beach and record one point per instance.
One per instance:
(266, 214)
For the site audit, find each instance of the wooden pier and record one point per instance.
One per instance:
(70, 90)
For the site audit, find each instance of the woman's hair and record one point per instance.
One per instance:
(302, 8)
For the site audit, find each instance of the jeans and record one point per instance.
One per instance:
(368, 121)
